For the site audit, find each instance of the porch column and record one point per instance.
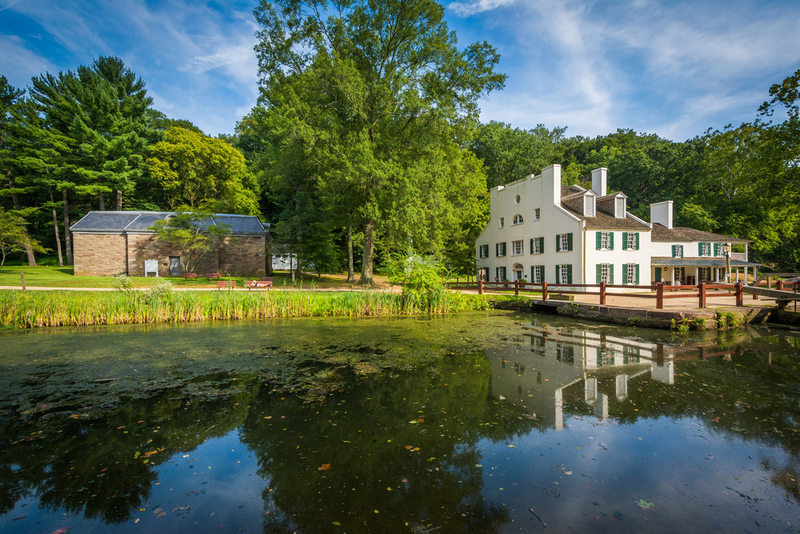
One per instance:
(673, 276)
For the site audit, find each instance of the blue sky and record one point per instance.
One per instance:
(670, 67)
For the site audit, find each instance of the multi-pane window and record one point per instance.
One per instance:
(605, 240)
(517, 219)
(677, 251)
(483, 251)
(537, 214)
(564, 274)
(516, 248)
(502, 222)
(500, 273)
(500, 249)
(704, 249)
(605, 273)
(537, 274)
(565, 353)
(537, 245)
(563, 242)
(630, 240)
(630, 274)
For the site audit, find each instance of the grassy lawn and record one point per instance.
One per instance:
(49, 274)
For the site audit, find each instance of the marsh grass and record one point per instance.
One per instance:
(62, 308)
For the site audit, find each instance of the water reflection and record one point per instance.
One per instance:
(564, 420)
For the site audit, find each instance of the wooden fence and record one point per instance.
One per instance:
(658, 291)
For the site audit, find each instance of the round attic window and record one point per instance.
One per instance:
(516, 200)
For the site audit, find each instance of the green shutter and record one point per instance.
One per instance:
(611, 273)
(699, 249)
(558, 243)
(504, 248)
(716, 249)
(558, 274)
(625, 273)
(541, 248)
(541, 272)
(624, 240)
(569, 241)
(599, 272)
(637, 274)
(569, 272)
(674, 251)
(637, 240)
(611, 240)
(531, 245)
(599, 239)
(497, 250)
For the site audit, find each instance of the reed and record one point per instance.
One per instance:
(65, 308)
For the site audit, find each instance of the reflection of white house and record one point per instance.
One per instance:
(541, 231)
(573, 364)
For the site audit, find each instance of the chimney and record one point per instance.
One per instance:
(551, 184)
(600, 181)
(661, 213)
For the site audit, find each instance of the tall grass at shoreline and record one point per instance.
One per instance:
(65, 308)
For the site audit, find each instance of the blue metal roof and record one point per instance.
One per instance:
(98, 222)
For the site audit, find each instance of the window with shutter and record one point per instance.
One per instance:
(624, 240)
(569, 241)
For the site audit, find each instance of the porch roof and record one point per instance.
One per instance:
(699, 262)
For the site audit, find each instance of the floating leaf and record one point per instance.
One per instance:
(644, 505)
(336, 523)
(324, 467)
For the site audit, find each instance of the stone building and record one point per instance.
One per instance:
(107, 243)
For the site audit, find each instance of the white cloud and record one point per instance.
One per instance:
(18, 64)
(465, 9)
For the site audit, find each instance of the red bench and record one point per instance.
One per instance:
(226, 284)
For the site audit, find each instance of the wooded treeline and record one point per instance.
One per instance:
(366, 142)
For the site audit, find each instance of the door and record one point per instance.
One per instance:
(658, 275)
(174, 266)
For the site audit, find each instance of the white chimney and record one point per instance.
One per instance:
(661, 213)
(600, 181)
(551, 183)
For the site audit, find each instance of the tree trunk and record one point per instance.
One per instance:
(351, 277)
(55, 227)
(67, 238)
(15, 200)
(101, 201)
(369, 243)
(119, 200)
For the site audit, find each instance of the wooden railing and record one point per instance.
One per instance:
(656, 291)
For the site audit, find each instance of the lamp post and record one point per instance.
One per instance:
(726, 248)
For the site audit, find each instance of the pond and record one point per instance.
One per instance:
(484, 422)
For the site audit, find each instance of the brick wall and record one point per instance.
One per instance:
(98, 254)
(105, 255)
(244, 256)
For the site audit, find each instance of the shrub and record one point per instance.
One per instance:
(122, 282)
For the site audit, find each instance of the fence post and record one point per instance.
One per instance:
(739, 295)
(660, 295)
(544, 291)
(780, 285)
(602, 293)
(516, 287)
(702, 293)
(480, 287)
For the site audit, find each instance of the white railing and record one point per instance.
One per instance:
(739, 256)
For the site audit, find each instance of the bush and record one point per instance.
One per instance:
(122, 282)
(161, 291)
(420, 276)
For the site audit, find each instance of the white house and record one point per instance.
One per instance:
(682, 255)
(541, 231)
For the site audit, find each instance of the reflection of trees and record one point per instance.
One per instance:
(369, 441)
(95, 464)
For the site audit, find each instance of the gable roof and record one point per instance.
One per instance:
(104, 222)
(681, 233)
(602, 220)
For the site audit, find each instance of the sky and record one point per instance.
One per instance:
(669, 67)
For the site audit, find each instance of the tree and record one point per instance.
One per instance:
(198, 172)
(510, 154)
(14, 237)
(373, 93)
(193, 233)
